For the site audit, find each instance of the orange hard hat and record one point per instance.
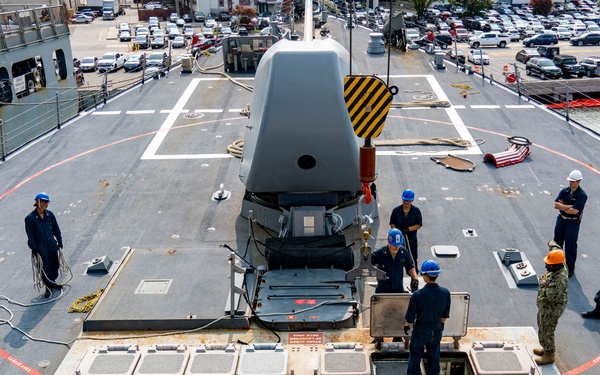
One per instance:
(555, 257)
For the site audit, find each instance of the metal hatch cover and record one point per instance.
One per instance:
(388, 310)
(305, 299)
(495, 358)
(109, 359)
(212, 359)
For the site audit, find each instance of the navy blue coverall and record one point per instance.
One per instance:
(393, 267)
(44, 238)
(402, 222)
(425, 309)
(566, 230)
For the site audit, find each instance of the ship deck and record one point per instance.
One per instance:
(140, 172)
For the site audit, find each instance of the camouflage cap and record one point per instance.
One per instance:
(553, 246)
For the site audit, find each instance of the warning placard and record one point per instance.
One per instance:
(305, 338)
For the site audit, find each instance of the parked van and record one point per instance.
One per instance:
(577, 30)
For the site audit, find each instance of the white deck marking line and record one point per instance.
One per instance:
(150, 152)
(192, 156)
(141, 112)
(515, 106)
(208, 110)
(459, 125)
(170, 111)
(458, 106)
(237, 110)
(492, 106)
(106, 113)
(152, 148)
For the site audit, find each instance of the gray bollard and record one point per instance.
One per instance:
(376, 43)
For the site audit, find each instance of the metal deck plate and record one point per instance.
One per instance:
(500, 358)
(263, 359)
(110, 359)
(339, 359)
(212, 360)
(166, 289)
(162, 359)
(388, 310)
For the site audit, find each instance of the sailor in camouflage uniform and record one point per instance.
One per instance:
(551, 302)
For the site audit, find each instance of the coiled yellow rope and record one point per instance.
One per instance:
(85, 304)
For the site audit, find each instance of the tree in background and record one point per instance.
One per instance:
(543, 7)
(473, 7)
(420, 7)
(241, 10)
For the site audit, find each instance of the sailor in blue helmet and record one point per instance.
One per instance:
(44, 239)
(394, 259)
(428, 309)
(408, 219)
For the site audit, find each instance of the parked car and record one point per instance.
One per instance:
(525, 54)
(187, 18)
(180, 22)
(207, 32)
(243, 31)
(540, 40)
(585, 39)
(178, 42)
(173, 17)
(548, 51)
(591, 66)
(568, 65)
(224, 16)
(134, 62)
(562, 32)
(477, 57)
(542, 67)
(456, 56)
(124, 26)
(125, 36)
(89, 64)
(412, 34)
(460, 34)
(142, 41)
(174, 33)
(199, 17)
(514, 35)
(158, 42)
(81, 19)
(111, 61)
(158, 59)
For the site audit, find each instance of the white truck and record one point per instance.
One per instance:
(490, 39)
(110, 9)
(111, 61)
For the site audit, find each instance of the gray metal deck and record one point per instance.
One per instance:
(166, 289)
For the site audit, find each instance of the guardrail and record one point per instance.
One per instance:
(89, 97)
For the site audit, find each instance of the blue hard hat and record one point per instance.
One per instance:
(42, 196)
(408, 195)
(430, 268)
(395, 237)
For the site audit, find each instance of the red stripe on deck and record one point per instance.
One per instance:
(18, 364)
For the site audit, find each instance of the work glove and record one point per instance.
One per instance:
(414, 285)
(405, 231)
(406, 330)
(442, 326)
(60, 246)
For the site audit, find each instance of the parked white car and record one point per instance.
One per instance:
(477, 56)
(111, 61)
